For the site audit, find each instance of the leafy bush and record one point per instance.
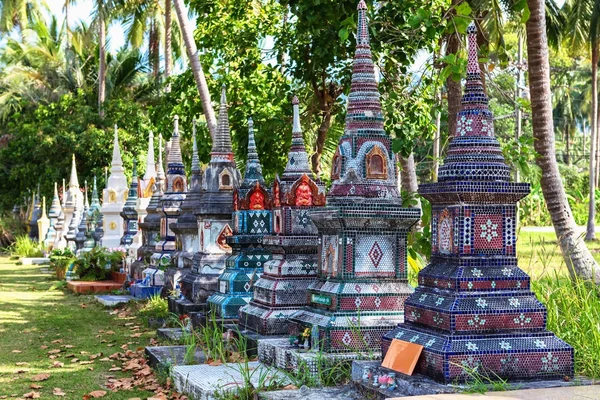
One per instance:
(25, 247)
(60, 261)
(156, 307)
(10, 228)
(97, 264)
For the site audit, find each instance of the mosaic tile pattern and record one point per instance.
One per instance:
(129, 213)
(282, 289)
(474, 307)
(252, 220)
(362, 282)
(170, 203)
(213, 214)
(186, 228)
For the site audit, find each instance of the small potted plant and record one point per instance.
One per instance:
(306, 338)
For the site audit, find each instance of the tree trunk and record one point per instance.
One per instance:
(590, 233)
(454, 88)
(597, 120)
(168, 50)
(67, 28)
(192, 52)
(321, 138)
(408, 179)
(102, 68)
(567, 145)
(154, 49)
(437, 139)
(577, 257)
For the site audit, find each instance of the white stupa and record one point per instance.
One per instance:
(73, 204)
(113, 198)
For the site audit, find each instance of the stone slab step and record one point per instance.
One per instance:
(172, 334)
(206, 382)
(346, 392)
(170, 356)
(83, 287)
(112, 300)
(34, 260)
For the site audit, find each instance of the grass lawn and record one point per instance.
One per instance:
(539, 253)
(36, 319)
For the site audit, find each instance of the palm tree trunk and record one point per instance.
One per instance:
(168, 50)
(102, 67)
(590, 233)
(67, 29)
(577, 257)
(192, 52)
(437, 138)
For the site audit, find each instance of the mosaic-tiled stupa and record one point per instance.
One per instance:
(221, 177)
(53, 215)
(150, 227)
(73, 207)
(36, 213)
(186, 227)
(362, 281)
(170, 203)
(113, 199)
(129, 213)
(282, 289)
(60, 242)
(474, 307)
(252, 220)
(144, 194)
(81, 228)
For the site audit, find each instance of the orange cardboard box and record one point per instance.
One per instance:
(402, 356)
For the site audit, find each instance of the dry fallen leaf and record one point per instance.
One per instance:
(21, 371)
(115, 369)
(40, 377)
(55, 351)
(68, 346)
(32, 395)
(85, 362)
(290, 387)
(97, 393)
(58, 392)
(57, 364)
(21, 364)
(43, 347)
(35, 386)
(83, 305)
(57, 341)
(16, 351)
(75, 360)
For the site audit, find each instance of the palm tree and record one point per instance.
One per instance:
(18, 13)
(577, 257)
(151, 20)
(103, 12)
(192, 52)
(583, 30)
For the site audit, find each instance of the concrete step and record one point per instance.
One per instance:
(207, 382)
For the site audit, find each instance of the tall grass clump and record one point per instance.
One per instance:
(574, 316)
(25, 247)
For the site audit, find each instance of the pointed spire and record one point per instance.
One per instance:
(64, 197)
(73, 181)
(474, 154)
(174, 156)
(160, 172)
(253, 168)
(44, 207)
(86, 203)
(364, 106)
(116, 157)
(95, 200)
(195, 159)
(297, 157)
(150, 164)
(132, 196)
(222, 141)
(55, 206)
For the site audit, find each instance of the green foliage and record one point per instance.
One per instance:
(574, 316)
(156, 307)
(25, 247)
(97, 264)
(60, 260)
